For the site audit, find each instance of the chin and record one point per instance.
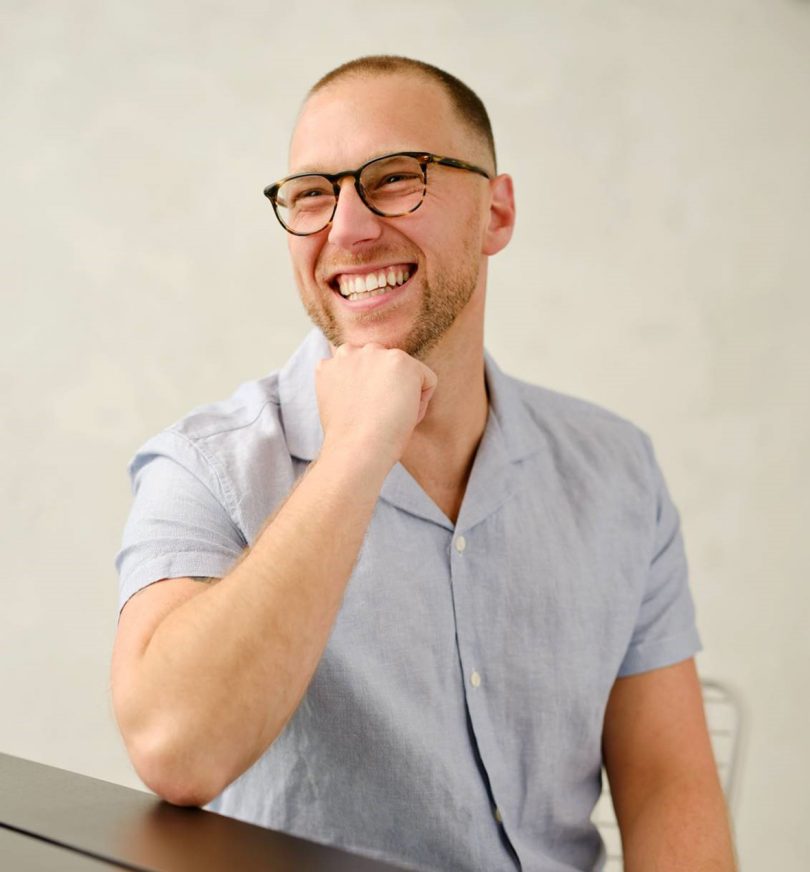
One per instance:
(387, 335)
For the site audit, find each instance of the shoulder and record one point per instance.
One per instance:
(544, 402)
(582, 437)
(264, 417)
(252, 410)
(568, 419)
(235, 450)
(234, 425)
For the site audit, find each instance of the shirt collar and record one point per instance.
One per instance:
(520, 433)
(299, 402)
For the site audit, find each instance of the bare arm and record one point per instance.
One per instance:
(205, 676)
(663, 777)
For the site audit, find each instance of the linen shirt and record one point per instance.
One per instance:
(454, 721)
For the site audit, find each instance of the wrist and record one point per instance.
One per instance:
(358, 461)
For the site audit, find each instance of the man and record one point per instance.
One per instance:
(406, 603)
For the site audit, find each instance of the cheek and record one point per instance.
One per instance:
(461, 232)
(303, 256)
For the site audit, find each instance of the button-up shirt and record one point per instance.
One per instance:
(455, 719)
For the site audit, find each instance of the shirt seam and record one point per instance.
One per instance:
(219, 475)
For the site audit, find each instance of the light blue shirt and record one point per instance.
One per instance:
(455, 719)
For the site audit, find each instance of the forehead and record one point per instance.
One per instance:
(357, 118)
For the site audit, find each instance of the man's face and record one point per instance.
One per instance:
(429, 259)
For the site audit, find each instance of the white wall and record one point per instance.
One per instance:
(660, 152)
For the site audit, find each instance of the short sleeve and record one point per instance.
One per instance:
(179, 524)
(665, 631)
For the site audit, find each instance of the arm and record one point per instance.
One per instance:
(663, 777)
(204, 677)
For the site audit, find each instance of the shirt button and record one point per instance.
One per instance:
(498, 815)
(475, 679)
(461, 544)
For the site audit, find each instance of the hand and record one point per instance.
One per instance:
(371, 399)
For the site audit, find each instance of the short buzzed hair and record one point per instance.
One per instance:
(467, 104)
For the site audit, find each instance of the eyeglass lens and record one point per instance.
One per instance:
(392, 185)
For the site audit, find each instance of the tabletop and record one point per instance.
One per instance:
(54, 819)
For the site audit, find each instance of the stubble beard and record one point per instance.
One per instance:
(441, 304)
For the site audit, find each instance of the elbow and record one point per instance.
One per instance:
(183, 758)
(173, 772)
(183, 792)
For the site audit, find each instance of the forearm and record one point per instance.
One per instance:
(224, 671)
(682, 826)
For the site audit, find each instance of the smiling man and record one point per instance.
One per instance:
(389, 598)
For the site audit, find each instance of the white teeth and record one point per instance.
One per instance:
(357, 287)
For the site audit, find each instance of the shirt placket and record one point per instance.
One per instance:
(466, 552)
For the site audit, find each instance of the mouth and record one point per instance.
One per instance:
(356, 286)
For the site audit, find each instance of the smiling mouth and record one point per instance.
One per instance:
(361, 286)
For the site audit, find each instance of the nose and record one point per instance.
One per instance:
(353, 223)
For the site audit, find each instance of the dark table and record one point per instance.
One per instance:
(51, 819)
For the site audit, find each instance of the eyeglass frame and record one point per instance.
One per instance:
(423, 157)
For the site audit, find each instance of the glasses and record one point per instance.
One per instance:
(391, 185)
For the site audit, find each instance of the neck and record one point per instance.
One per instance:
(442, 449)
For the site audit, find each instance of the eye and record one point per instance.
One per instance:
(397, 178)
(393, 184)
(311, 199)
(308, 194)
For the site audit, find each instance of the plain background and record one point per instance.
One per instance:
(660, 152)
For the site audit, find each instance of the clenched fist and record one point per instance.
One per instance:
(371, 398)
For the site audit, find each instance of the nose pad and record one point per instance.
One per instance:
(353, 221)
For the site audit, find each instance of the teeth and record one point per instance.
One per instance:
(365, 294)
(358, 287)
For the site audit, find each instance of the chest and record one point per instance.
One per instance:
(540, 594)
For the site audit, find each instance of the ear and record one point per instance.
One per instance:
(501, 223)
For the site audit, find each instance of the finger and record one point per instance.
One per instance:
(429, 382)
(424, 402)
(429, 378)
